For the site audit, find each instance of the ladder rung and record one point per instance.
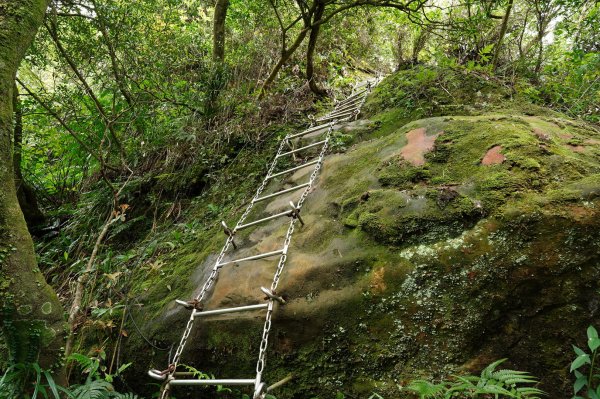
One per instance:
(302, 148)
(287, 190)
(352, 103)
(157, 375)
(294, 168)
(345, 108)
(255, 257)
(309, 130)
(345, 111)
(353, 96)
(161, 375)
(231, 310)
(286, 213)
(337, 117)
(214, 382)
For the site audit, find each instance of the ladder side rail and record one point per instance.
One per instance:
(260, 364)
(215, 271)
(260, 388)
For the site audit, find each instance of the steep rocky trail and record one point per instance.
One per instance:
(430, 246)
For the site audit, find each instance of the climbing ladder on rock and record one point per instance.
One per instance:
(323, 127)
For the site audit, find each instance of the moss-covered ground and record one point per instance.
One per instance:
(406, 271)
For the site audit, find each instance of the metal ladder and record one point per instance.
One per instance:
(343, 111)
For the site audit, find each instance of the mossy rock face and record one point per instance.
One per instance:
(406, 271)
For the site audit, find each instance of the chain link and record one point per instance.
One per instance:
(215, 270)
(260, 365)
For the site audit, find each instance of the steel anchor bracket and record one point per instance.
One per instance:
(272, 295)
(229, 233)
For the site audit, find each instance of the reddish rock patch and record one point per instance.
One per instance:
(580, 213)
(493, 156)
(592, 141)
(576, 148)
(541, 134)
(418, 145)
(566, 136)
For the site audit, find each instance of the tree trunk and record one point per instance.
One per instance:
(31, 316)
(540, 54)
(418, 44)
(502, 33)
(219, 31)
(399, 50)
(26, 195)
(310, 52)
(285, 56)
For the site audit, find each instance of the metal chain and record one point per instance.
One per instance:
(281, 264)
(261, 362)
(215, 270)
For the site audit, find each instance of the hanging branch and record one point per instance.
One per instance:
(51, 28)
(307, 15)
(117, 213)
(69, 130)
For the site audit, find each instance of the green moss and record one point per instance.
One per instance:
(467, 261)
(398, 173)
(393, 217)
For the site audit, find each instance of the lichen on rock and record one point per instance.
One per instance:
(404, 271)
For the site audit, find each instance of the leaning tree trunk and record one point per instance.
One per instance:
(221, 7)
(310, 53)
(25, 193)
(502, 33)
(31, 316)
(284, 57)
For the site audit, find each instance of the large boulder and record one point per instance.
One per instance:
(431, 247)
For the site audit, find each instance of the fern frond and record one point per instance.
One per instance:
(128, 395)
(96, 389)
(494, 390)
(529, 391)
(426, 389)
(490, 369)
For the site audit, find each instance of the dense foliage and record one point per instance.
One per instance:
(128, 120)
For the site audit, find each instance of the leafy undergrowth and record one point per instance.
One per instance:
(492, 383)
(438, 244)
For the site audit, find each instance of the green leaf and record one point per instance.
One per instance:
(123, 367)
(580, 361)
(487, 49)
(579, 383)
(594, 343)
(592, 332)
(578, 351)
(38, 377)
(52, 385)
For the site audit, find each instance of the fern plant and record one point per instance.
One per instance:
(20, 375)
(29, 381)
(491, 383)
(98, 384)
